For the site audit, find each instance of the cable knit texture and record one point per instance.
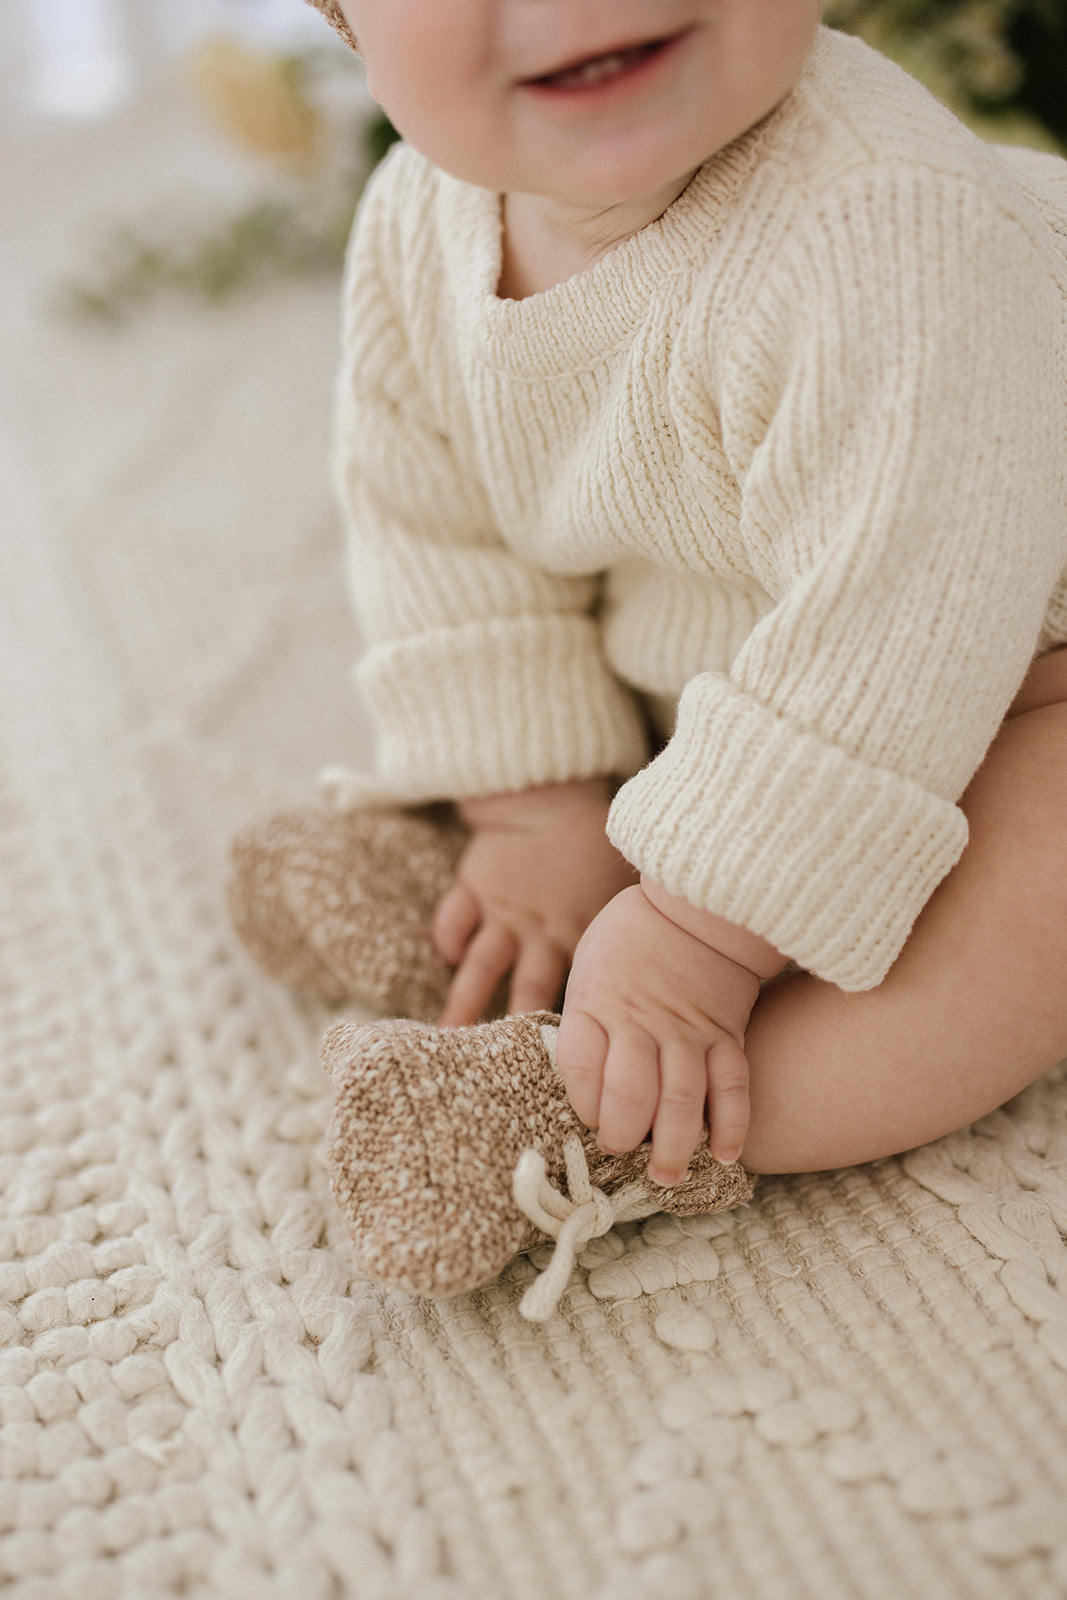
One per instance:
(798, 449)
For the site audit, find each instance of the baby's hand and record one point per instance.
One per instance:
(538, 868)
(653, 1028)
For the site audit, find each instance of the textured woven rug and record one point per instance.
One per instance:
(854, 1387)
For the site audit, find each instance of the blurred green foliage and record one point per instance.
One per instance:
(269, 240)
(1000, 64)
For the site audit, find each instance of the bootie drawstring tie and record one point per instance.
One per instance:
(571, 1219)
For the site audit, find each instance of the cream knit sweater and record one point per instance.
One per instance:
(797, 451)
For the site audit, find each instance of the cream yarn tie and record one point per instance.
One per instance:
(571, 1219)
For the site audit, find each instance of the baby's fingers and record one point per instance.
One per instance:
(488, 957)
(581, 1046)
(454, 922)
(538, 977)
(631, 1088)
(728, 1099)
(679, 1123)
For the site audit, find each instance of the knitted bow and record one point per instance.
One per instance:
(571, 1219)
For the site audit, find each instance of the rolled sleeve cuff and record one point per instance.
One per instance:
(499, 705)
(754, 818)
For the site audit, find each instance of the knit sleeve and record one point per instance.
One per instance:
(482, 673)
(895, 415)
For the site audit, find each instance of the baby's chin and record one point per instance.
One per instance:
(602, 181)
(631, 168)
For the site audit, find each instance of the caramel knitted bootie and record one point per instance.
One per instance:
(340, 903)
(449, 1151)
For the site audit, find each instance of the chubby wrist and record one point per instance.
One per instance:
(529, 807)
(747, 949)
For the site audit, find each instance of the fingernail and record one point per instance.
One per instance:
(726, 1157)
(666, 1180)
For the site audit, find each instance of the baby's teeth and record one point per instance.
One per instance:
(593, 71)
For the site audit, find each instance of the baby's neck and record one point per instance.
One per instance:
(547, 241)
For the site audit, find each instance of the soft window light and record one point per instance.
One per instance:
(78, 65)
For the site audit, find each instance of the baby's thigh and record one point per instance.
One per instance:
(974, 1009)
(1044, 684)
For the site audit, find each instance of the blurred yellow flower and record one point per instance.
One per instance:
(258, 99)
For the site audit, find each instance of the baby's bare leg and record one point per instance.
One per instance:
(974, 1009)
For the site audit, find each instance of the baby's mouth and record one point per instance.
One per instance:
(599, 69)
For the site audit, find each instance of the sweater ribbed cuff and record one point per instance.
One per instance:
(499, 705)
(753, 818)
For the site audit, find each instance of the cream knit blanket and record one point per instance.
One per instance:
(854, 1387)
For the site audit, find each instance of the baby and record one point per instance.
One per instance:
(703, 439)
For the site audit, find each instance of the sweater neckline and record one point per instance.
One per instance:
(578, 322)
(581, 321)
